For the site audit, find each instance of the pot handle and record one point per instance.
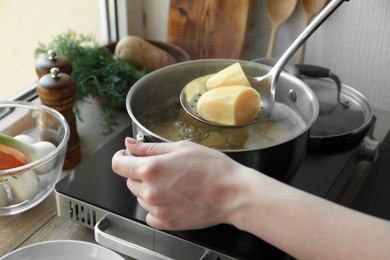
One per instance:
(109, 239)
(314, 71)
(369, 149)
(143, 242)
(140, 137)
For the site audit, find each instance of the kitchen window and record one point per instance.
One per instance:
(25, 23)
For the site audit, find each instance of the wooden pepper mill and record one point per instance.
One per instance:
(45, 64)
(57, 91)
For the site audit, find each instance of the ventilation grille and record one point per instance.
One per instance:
(88, 215)
(78, 211)
(82, 214)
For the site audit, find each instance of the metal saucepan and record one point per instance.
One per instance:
(345, 116)
(278, 157)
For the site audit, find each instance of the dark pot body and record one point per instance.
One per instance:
(279, 160)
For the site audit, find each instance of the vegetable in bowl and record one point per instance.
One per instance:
(33, 141)
(25, 185)
(16, 153)
(26, 151)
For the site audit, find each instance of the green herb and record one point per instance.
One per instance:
(95, 72)
(12, 175)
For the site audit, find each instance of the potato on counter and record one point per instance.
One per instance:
(142, 54)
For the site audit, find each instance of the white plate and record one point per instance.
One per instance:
(63, 250)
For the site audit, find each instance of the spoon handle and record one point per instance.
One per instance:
(302, 50)
(307, 32)
(271, 44)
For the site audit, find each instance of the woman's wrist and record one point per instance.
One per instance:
(247, 198)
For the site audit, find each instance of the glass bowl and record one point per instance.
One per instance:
(27, 184)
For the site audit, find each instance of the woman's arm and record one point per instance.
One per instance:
(309, 227)
(187, 186)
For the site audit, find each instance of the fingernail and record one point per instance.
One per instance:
(130, 140)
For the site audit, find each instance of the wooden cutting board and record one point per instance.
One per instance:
(209, 28)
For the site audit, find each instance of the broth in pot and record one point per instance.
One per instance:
(170, 121)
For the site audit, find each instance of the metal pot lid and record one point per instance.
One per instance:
(343, 110)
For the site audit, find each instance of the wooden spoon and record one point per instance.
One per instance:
(278, 12)
(311, 8)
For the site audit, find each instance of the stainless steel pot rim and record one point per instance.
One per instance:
(147, 133)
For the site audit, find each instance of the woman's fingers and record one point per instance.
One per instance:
(180, 184)
(147, 149)
(163, 217)
(155, 222)
(125, 165)
(135, 186)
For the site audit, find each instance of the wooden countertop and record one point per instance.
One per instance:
(41, 223)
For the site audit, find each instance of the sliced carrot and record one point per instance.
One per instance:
(9, 161)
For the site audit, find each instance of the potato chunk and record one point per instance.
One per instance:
(232, 105)
(229, 76)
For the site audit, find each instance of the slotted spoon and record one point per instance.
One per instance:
(266, 84)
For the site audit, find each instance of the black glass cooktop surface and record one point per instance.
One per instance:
(94, 182)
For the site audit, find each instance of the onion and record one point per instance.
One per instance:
(23, 186)
(32, 151)
(3, 196)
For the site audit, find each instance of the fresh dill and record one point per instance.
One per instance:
(96, 72)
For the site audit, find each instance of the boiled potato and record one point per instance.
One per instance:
(229, 76)
(233, 105)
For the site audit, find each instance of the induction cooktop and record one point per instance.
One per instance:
(93, 196)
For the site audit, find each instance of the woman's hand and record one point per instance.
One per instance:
(187, 186)
(182, 185)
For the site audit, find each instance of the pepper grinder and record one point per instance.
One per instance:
(57, 90)
(45, 64)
